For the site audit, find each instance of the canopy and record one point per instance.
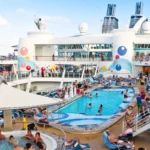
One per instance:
(12, 98)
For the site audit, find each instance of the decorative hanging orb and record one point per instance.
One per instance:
(104, 68)
(27, 58)
(122, 50)
(23, 65)
(118, 67)
(117, 57)
(23, 51)
(28, 67)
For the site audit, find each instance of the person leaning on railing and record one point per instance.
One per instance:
(2, 80)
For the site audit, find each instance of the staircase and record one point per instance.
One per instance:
(140, 123)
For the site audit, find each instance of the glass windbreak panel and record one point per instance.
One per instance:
(137, 54)
(80, 46)
(141, 46)
(74, 46)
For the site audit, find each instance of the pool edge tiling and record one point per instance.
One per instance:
(99, 124)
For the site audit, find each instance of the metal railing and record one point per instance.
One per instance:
(71, 58)
(18, 76)
(138, 121)
(58, 74)
(4, 58)
(25, 75)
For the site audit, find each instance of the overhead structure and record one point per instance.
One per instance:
(12, 98)
(110, 21)
(39, 23)
(138, 14)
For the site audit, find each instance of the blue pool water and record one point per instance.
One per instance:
(110, 100)
(4, 145)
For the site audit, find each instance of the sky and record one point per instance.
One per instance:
(62, 17)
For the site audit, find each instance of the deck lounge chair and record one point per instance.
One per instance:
(113, 146)
(77, 146)
(91, 81)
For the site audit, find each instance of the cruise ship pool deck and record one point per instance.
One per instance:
(94, 140)
(76, 116)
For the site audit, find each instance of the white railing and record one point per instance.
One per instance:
(140, 122)
(62, 81)
(83, 72)
(95, 74)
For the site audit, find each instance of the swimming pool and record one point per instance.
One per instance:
(50, 142)
(78, 114)
(110, 99)
(4, 145)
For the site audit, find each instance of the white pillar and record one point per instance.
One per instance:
(15, 71)
(66, 96)
(75, 91)
(62, 81)
(96, 71)
(82, 74)
(7, 120)
(29, 83)
(71, 91)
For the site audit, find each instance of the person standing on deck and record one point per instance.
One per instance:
(139, 102)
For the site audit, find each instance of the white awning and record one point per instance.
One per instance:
(12, 98)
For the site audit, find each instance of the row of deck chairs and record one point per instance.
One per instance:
(20, 114)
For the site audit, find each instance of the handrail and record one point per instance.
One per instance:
(95, 74)
(71, 58)
(138, 121)
(83, 72)
(8, 58)
(63, 75)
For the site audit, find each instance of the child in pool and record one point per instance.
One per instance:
(99, 112)
(90, 105)
(90, 96)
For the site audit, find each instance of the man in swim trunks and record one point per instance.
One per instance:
(29, 135)
(113, 139)
(38, 139)
(139, 102)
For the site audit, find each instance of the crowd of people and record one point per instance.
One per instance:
(125, 139)
(143, 105)
(142, 58)
(35, 141)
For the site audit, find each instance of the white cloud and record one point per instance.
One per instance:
(56, 19)
(20, 10)
(3, 21)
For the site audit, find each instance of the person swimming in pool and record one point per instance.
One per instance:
(90, 105)
(100, 107)
(125, 97)
(90, 96)
(96, 94)
(11, 139)
(126, 93)
(99, 112)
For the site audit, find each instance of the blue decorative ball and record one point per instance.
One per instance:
(122, 50)
(118, 67)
